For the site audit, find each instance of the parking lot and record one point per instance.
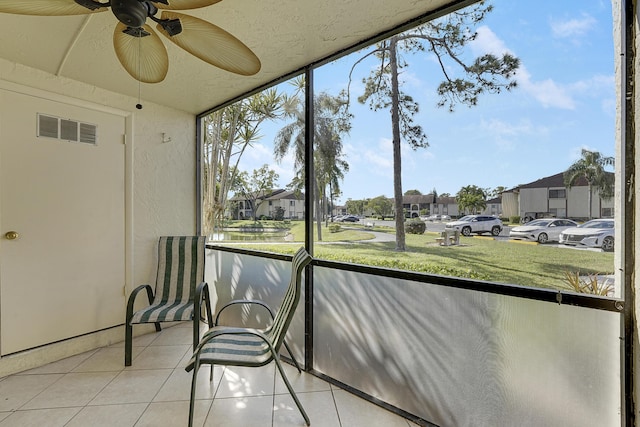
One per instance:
(438, 227)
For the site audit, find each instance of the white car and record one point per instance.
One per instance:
(541, 230)
(478, 224)
(597, 233)
(436, 217)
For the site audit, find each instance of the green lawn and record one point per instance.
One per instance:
(480, 258)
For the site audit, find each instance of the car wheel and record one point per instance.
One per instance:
(543, 238)
(607, 244)
(495, 230)
(466, 231)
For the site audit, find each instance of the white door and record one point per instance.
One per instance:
(63, 275)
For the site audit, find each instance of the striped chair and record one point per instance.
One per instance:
(228, 345)
(179, 284)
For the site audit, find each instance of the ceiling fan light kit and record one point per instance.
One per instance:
(138, 47)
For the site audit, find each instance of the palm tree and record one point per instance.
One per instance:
(591, 167)
(227, 134)
(331, 121)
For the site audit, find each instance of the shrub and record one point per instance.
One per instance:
(415, 226)
(278, 213)
(334, 228)
(514, 219)
(588, 285)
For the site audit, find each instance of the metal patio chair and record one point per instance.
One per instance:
(237, 346)
(179, 283)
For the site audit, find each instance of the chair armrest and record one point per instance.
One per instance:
(243, 301)
(132, 299)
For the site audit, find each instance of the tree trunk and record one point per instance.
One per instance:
(590, 201)
(317, 207)
(397, 156)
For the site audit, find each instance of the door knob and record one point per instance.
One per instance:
(11, 235)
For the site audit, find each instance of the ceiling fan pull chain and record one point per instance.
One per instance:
(139, 104)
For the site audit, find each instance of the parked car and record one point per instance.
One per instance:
(436, 217)
(597, 233)
(349, 218)
(542, 230)
(478, 224)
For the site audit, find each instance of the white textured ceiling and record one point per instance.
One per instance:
(285, 34)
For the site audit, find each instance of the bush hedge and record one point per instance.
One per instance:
(415, 226)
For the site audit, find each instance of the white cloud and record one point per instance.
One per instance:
(595, 85)
(546, 92)
(576, 27)
(488, 42)
(505, 135)
(259, 154)
(380, 159)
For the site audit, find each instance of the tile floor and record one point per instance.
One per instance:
(95, 389)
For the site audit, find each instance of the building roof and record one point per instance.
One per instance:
(418, 199)
(445, 200)
(556, 180)
(285, 194)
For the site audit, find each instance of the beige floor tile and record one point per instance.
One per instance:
(245, 411)
(320, 408)
(178, 386)
(355, 412)
(40, 418)
(107, 359)
(172, 414)
(17, 390)
(74, 389)
(132, 386)
(159, 357)
(4, 415)
(241, 381)
(108, 416)
(174, 336)
(61, 366)
(139, 341)
(301, 382)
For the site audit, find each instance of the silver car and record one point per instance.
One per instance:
(541, 230)
(597, 233)
(476, 224)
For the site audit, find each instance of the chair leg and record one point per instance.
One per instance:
(290, 388)
(128, 337)
(196, 366)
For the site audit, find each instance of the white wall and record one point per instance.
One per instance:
(161, 187)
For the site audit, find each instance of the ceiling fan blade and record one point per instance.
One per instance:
(145, 58)
(185, 4)
(212, 44)
(46, 7)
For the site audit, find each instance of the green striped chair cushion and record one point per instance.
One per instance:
(240, 349)
(180, 270)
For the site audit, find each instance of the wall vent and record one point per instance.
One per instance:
(66, 129)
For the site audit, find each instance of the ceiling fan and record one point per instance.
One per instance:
(138, 47)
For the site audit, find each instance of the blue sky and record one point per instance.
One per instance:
(565, 101)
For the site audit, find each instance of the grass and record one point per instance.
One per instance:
(480, 258)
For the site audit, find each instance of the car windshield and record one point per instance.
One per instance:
(597, 224)
(467, 218)
(539, 222)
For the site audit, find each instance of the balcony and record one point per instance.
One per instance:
(95, 389)
(419, 350)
